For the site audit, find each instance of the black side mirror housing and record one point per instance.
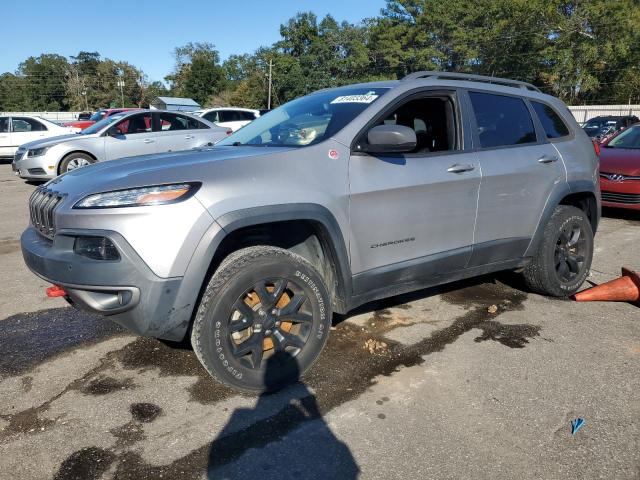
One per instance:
(390, 139)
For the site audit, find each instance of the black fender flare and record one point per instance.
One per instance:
(555, 198)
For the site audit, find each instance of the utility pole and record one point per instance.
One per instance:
(121, 85)
(269, 97)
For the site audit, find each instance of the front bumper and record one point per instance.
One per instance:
(624, 194)
(126, 289)
(33, 168)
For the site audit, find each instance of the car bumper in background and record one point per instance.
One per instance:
(34, 168)
(126, 290)
(625, 194)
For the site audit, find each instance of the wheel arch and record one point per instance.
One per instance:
(580, 194)
(71, 153)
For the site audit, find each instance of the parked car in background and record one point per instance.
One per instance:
(97, 116)
(365, 191)
(230, 117)
(125, 134)
(601, 127)
(620, 170)
(14, 131)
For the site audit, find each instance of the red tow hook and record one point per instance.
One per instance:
(56, 291)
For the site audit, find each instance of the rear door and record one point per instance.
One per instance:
(519, 170)
(178, 132)
(135, 136)
(25, 129)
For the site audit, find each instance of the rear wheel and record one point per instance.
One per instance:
(562, 262)
(263, 320)
(74, 161)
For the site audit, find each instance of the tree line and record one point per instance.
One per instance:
(583, 51)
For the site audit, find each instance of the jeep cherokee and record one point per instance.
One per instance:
(333, 200)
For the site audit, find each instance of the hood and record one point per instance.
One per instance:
(51, 141)
(625, 161)
(152, 169)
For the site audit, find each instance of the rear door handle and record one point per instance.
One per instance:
(149, 140)
(189, 137)
(458, 168)
(548, 159)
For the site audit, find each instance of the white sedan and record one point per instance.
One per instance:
(228, 117)
(19, 129)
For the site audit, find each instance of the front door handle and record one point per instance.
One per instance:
(460, 168)
(548, 159)
(149, 140)
(189, 137)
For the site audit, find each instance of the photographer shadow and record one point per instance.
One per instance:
(284, 436)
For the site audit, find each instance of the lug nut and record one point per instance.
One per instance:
(274, 311)
(277, 324)
(267, 332)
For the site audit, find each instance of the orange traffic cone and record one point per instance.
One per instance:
(623, 289)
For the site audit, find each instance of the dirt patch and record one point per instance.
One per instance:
(9, 246)
(86, 464)
(145, 412)
(106, 385)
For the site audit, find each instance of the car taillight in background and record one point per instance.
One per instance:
(229, 132)
(596, 147)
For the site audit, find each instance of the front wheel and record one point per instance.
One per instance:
(263, 319)
(74, 161)
(561, 264)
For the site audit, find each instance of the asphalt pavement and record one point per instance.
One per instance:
(476, 379)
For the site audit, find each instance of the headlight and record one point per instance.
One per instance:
(37, 152)
(139, 197)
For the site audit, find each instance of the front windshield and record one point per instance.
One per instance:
(630, 138)
(306, 120)
(99, 115)
(96, 127)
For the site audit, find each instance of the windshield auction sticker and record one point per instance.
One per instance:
(368, 98)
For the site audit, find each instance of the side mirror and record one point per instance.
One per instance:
(113, 132)
(390, 139)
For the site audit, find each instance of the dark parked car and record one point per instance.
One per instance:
(85, 115)
(603, 126)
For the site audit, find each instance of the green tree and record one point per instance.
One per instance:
(45, 78)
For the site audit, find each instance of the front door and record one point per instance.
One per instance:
(6, 149)
(413, 215)
(135, 136)
(519, 170)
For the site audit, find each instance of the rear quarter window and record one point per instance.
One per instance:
(553, 125)
(502, 120)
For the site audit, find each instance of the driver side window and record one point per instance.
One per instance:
(431, 118)
(140, 123)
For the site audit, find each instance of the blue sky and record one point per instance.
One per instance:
(145, 32)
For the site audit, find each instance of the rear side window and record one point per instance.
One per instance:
(21, 124)
(4, 124)
(211, 116)
(501, 120)
(553, 125)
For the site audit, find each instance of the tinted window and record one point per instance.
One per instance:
(140, 123)
(172, 122)
(553, 125)
(502, 120)
(211, 116)
(630, 138)
(247, 115)
(21, 124)
(4, 124)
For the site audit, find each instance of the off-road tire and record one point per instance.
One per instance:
(541, 275)
(64, 164)
(211, 332)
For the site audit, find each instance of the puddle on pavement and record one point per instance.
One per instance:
(86, 464)
(28, 339)
(345, 370)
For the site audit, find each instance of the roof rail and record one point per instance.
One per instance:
(472, 78)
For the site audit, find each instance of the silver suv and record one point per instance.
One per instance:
(335, 199)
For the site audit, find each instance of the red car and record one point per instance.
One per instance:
(620, 170)
(96, 117)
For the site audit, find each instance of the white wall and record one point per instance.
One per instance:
(582, 113)
(61, 116)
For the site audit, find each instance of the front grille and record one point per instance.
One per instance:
(626, 198)
(618, 177)
(41, 209)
